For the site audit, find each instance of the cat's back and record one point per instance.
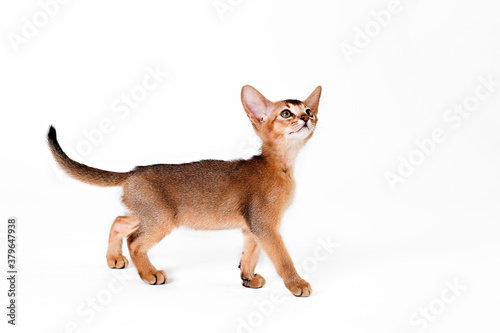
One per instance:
(213, 176)
(200, 171)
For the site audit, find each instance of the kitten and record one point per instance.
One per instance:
(251, 195)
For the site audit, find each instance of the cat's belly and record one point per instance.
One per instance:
(207, 221)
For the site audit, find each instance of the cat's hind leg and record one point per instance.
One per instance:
(121, 228)
(152, 230)
(249, 258)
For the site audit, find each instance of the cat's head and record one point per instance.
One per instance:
(290, 122)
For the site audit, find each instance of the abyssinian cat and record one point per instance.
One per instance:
(251, 195)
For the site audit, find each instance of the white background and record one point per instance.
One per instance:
(397, 248)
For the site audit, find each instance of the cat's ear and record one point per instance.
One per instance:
(312, 102)
(257, 107)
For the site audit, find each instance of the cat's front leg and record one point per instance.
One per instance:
(249, 258)
(273, 245)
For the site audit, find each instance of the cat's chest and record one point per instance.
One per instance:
(282, 188)
(290, 190)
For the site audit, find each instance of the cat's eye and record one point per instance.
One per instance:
(309, 113)
(286, 113)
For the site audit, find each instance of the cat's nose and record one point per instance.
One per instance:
(304, 117)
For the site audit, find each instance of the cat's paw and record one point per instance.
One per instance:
(155, 277)
(117, 262)
(299, 288)
(257, 281)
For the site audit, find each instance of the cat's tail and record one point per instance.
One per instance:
(80, 171)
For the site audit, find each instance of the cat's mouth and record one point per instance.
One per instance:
(304, 128)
